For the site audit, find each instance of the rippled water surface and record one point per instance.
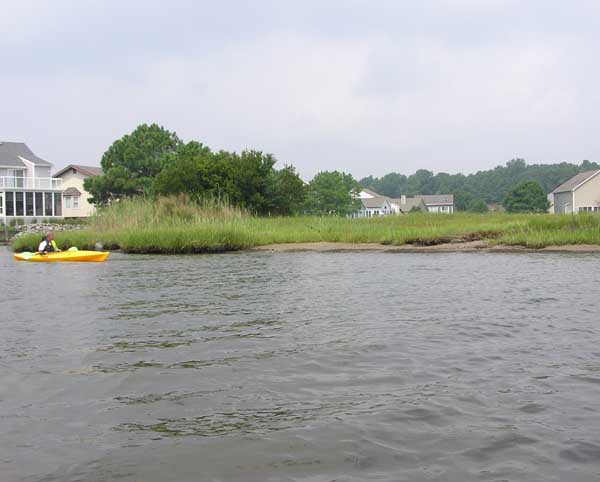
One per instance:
(301, 367)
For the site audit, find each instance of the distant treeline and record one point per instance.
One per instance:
(489, 186)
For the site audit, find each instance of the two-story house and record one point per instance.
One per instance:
(579, 194)
(27, 189)
(75, 197)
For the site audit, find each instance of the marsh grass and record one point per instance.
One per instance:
(177, 225)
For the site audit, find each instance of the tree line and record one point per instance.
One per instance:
(153, 161)
(474, 192)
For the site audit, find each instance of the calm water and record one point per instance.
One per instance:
(301, 367)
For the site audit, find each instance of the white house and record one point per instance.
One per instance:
(373, 204)
(579, 194)
(438, 203)
(27, 190)
(75, 197)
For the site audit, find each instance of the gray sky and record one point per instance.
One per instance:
(367, 87)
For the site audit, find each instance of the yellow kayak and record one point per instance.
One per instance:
(89, 256)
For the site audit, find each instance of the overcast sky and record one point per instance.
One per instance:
(367, 87)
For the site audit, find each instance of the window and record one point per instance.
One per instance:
(75, 202)
(19, 206)
(68, 202)
(47, 204)
(1, 203)
(17, 178)
(57, 204)
(39, 203)
(28, 204)
(9, 203)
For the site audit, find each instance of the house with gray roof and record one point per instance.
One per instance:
(373, 204)
(438, 203)
(27, 189)
(403, 205)
(579, 194)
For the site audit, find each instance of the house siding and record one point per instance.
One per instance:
(85, 209)
(563, 202)
(440, 208)
(42, 171)
(588, 194)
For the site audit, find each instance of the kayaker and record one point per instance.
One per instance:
(48, 245)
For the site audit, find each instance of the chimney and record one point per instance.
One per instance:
(403, 199)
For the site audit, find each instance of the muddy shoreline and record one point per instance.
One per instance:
(456, 247)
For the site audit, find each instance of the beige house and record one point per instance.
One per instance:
(75, 197)
(579, 194)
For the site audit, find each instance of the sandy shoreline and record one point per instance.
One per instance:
(457, 247)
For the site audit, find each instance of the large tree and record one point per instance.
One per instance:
(465, 201)
(248, 179)
(131, 163)
(526, 197)
(115, 183)
(288, 192)
(332, 192)
(253, 175)
(194, 170)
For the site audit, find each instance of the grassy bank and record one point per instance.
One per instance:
(174, 225)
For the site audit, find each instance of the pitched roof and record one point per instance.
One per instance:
(430, 199)
(374, 202)
(575, 181)
(371, 193)
(72, 191)
(85, 170)
(12, 152)
(409, 204)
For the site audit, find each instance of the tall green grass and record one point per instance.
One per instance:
(177, 225)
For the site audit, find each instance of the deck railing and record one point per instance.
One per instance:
(38, 183)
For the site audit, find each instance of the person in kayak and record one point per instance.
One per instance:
(48, 245)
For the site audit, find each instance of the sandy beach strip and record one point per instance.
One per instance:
(456, 247)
